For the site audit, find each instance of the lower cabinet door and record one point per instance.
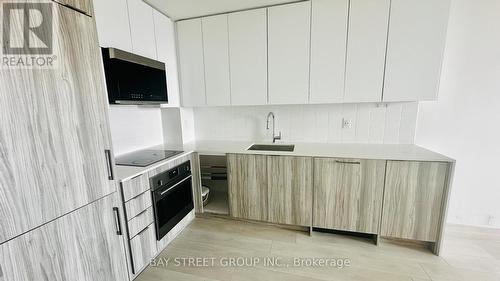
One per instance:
(290, 190)
(247, 182)
(82, 245)
(143, 248)
(348, 194)
(413, 199)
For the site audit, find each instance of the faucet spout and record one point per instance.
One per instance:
(278, 137)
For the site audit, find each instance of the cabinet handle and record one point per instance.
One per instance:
(111, 175)
(348, 162)
(117, 221)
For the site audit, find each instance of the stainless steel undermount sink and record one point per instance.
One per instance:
(273, 147)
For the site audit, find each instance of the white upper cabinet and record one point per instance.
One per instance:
(192, 70)
(166, 49)
(417, 36)
(288, 51)
(112, 24)
(216, 54)
(318, 51)
(248, 57)
(328, 50)
(142, 28)
(366, 48)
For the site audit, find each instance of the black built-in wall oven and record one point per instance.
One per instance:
(172, 197)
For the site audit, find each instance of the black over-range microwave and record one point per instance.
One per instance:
(133, 79)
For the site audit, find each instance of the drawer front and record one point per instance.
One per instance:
(138, 205)
(143, 248)
(140, 222)
(134, 187)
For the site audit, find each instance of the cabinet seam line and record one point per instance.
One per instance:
(386, 50)
(346, 47)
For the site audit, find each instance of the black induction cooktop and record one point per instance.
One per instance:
(144, 158)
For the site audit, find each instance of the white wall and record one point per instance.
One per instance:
(310, 123)
(465, 122)
(135, 127)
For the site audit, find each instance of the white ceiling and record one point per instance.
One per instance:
(183, 9)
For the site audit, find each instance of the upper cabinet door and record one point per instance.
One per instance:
(288, 47)
(417, 36)
(216, 53)
(54, 131)
(248, 57)
(142, 28)
(366, 47)
(190, 43)
(84, 6)
(165, 45)
(112, 24)
(328, 50)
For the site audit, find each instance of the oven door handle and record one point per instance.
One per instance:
(175, 185)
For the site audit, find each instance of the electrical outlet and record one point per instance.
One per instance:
(346, 123)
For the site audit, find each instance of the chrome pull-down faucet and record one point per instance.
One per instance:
(275, 137)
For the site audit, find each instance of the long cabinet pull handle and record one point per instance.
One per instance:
(111, 175)
(117, 221)
(348, 162)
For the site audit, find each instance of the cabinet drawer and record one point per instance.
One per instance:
(135, 186)
(143, 248)
(137, 205)
(140, 222)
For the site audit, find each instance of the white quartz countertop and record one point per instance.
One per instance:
(408, 152)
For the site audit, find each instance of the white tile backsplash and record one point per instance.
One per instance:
(135, 127)
(372, 123)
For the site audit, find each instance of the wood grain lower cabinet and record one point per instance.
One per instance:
(82, 245)
(247, 184)
(54, 130)
(143, 248)
(290, 190)
(135, 186)
(413, 200)
(348, 194)
(139, 204)
(137, 224)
